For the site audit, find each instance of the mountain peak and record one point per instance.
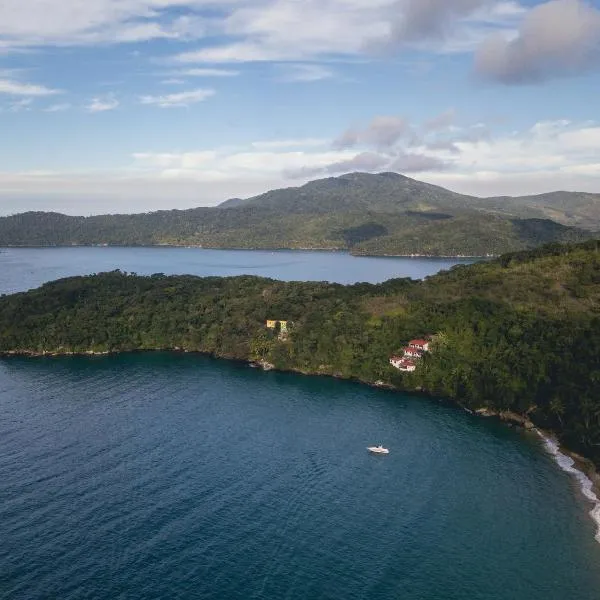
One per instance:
(353, 192)
(360, 177)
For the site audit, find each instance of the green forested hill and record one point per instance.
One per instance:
(357, 192)
(392, 192)
(366, 214)
(519, 333)
(577, 209)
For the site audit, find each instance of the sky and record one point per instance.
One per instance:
(116, 106)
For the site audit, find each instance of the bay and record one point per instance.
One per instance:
(150, 476)
(23, 268)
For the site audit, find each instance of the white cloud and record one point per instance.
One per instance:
(59, 22)
(254, 162)
(182, 161)
(181, 99)
(279, 30)
(236, 53)
(21, 105)
(545, 157)
(200, 72)
(549, 156)
(58, 107)
(306, 73)
(16, 88)
(299, 143)
(102, 104)
(261, 30)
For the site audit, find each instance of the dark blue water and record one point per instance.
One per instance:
(22, 268)
(176, 476)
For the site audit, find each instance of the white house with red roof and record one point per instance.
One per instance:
(422, 345)
(413, 352)
(402, 363)
(396, 360)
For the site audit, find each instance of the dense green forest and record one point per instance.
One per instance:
(520, 333)
(365, 214)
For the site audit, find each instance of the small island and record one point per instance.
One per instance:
(518, 335)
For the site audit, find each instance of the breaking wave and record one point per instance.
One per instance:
(567, 464)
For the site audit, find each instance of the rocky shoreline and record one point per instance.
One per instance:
(581, 463)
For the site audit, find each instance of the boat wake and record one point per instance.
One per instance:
(567, 464)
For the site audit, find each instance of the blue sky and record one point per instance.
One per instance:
(138, 105)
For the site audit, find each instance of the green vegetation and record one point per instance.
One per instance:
(366, 214)
(519, 333)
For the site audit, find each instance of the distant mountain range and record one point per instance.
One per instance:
(378, 214)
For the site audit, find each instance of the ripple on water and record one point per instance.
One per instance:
(171, 476)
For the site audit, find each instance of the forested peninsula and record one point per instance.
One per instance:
(363, 213)
(519, 333)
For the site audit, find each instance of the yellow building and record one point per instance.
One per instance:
(271, 324)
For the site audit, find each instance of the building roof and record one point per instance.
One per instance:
(418, 342)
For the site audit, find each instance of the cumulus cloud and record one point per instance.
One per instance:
(181, 99)
(372, 162)
(98, 105)
(557, 38)
(381, 132)
(547, 153)
(424, 19)
(365, 161)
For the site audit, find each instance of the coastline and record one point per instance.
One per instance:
(581, 469)
(576, 465)
(273, 249)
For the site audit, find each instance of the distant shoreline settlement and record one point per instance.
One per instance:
(411, 354)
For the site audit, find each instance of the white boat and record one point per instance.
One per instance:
(378, 449)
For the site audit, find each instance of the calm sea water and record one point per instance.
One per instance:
(21, 268)
(176, 476)
(152, 476)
